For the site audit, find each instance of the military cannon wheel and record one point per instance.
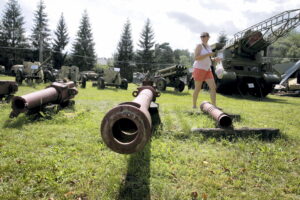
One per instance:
(19, 77)
(180, 86)
(161, 84)
(100, 83)
(83, 81)
(124, 84)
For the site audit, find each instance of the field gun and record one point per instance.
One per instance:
(127, 128)
(170, 77)
(243, 69)
(57, 93)
(7, 89)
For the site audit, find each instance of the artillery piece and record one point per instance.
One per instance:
(243, 69)
(127, 128)
(58, 93)
(72, 73)
(170, 77)
(111, 77)
(30, 71)
(7, 89)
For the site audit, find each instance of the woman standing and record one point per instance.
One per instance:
(202, 70)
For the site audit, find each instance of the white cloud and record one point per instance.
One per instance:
(175, 21)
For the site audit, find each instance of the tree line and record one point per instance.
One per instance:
(15, 47)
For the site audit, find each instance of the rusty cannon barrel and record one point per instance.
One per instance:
(127, 128)
(56, 93)
(223, 119)
(7, 89)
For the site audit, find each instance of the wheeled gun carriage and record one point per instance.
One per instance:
(170, 77)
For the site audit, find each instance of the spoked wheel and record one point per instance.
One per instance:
(161, 84)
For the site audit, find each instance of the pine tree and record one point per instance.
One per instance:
(41, 33)
(60, 42)
(12, 34)
(163, 55)
(145, 56)
(125, 53)
(83, 49)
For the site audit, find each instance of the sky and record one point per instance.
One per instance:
(178, 22)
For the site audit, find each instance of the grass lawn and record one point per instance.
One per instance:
(65, 157)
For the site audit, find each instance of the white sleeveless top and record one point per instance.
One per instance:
(204, 63)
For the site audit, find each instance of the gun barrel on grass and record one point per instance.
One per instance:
(7, 89)
(127, 128)
(223, 119)
(57, 93)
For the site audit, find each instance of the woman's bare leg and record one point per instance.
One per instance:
(198, 85)
(212, 90)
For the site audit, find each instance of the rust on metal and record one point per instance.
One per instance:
(222, 118)
(7, 89)
(56, 93)
(127, 128)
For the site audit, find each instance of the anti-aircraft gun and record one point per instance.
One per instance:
(243, 69)
(171, 77)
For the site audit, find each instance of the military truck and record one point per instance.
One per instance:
(243, 69)
(72, 73)
(174, 76)
(111, 77)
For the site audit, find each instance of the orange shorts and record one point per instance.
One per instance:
(202, 75)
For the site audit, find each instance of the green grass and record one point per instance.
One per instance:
(65, 157)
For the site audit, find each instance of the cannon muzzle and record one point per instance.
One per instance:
(127, 128)
(223, 119)
(56, 93)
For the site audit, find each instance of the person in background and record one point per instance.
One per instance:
(202, 69)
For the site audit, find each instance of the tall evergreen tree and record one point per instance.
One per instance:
(12, 34)
(83, 49)
(60, 42)
(145, 56)
(125, 53)
(163, 55)
(41, 33)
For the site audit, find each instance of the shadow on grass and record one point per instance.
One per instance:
(136, 185)
(252, 98)
(267, 135)
(175, 93)
(18, 122)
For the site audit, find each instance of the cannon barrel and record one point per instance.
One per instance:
(223, 119)
(57, 93)
(127, 127)
(171, 69)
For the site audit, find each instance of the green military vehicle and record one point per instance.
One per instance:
(111, 77)
(243, 68)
